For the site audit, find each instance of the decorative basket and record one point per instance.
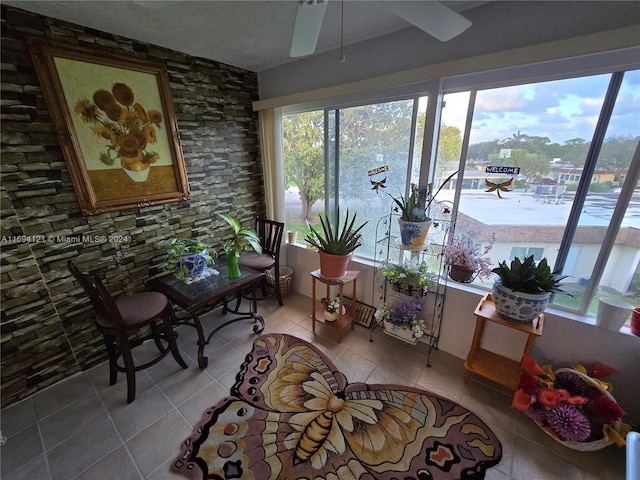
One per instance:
(584, 446)
(286, 277)
(409, 290)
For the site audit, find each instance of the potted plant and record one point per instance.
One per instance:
(335, 244)
(331, 306)
(414, 220)
(414, 280)
(189, 257)
(402, 321)
(243, 239)
(523, 288)
(467, 258)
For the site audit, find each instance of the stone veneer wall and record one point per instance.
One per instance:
(47, 323)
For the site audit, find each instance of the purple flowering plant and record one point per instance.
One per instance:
(466, 250)
(403, 316)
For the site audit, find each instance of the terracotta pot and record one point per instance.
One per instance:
(333, 266)
(414, 234)
(461, 274)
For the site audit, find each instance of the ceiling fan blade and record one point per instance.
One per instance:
(433, 17)
(307, 27)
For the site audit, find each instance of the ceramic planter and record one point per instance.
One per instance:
(612, 314)
(414, 234)
(333, 316)
(194, 263)
(400, 333)
(518, 306)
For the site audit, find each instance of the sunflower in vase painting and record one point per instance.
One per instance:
(129, 128)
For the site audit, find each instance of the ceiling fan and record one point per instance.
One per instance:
(433, 17)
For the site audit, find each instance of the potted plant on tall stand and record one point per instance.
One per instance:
(414, 220)
(523, 289)
(242, 239)
(335, 244)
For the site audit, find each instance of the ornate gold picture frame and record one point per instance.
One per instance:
(115, 122)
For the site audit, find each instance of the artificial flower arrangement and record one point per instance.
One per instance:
(412, 278)
(403, 317)
(465, 250)
(572, 407)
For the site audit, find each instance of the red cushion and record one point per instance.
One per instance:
(256, 262)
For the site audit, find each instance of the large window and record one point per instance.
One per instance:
(573, 141)
(359, 140)
(574, 200)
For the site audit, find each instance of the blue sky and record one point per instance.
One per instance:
(560, 110)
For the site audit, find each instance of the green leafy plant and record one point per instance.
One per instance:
(410, 274)
(177, 248)
(243, 239)
(335, 240)
(527, 277)
(414, 208)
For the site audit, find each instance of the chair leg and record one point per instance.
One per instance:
(157, 337)
(112, 354)
(171, 338)
(129, 369)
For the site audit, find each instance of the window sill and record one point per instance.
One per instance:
(625, 330)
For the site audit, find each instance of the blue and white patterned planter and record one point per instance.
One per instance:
(194, 263)
(414, 234)
(518, 306)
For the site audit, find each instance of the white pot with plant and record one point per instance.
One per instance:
(524, 288)
(402, 321)
(331, 306)
(414, 218)
(190, 258)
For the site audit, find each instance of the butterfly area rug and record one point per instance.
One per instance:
(292, 415)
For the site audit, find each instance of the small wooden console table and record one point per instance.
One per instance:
(343, 320)
(495, 367)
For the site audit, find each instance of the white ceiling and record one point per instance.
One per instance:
(251, 34)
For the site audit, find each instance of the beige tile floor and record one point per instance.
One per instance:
(83, 429)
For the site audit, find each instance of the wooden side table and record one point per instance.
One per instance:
(343, 320)
(495, 367)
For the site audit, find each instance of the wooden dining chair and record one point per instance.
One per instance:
(270, 234)
(119, 318)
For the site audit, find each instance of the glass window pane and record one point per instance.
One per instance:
(619, 279)
(545, 130)
(372, 136)
(303, 141)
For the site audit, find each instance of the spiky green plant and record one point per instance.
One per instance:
(527, 277)
(242, 239)
(333, 240)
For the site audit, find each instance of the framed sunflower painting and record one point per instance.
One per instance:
(116, 126)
